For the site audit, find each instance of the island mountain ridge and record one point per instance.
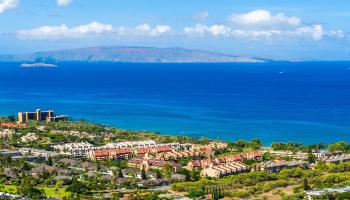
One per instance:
(128, 54)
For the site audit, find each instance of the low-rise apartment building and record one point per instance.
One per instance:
(273, 167)
(10, 153)
(99, 154)
(130, 144)
(206, 163)
(148, 163)
(38, 152)
(220, 170)
(12, 125)
(76, 150)
(152, 150)
(173, 155)
(337, 159)
(29, 137)
(6, 133)
(289, 154)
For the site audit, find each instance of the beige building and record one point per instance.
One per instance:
(39, 115)
(218, 171)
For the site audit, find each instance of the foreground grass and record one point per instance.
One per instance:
(11, 189)
(49, 191)
(52, 192)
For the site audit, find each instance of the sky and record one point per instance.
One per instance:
(275, 29)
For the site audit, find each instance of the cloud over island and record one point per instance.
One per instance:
(92, 29)
(262, 24)
(256, 24)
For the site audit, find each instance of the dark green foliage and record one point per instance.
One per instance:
(158, 174)
(291, 146)
(76, 187)
(266, 156)
(339, 146)
(194, 193)
(26, 188)
(306, 185)
(143, 174)
(120, 174)
(311, 158)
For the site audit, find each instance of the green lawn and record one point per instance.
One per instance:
(49, 191)
(8, 188)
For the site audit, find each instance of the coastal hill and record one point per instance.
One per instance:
(128, 54)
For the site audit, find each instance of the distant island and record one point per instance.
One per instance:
(129, 54)
(26, 65)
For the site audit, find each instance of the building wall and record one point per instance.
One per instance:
(38, 115)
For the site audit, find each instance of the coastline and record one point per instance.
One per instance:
(248, 100)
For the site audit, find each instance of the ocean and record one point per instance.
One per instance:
(279, 101)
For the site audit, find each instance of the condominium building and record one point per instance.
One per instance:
(6, 133)
(273, 167)
(39, 115)
(148, 163)
(78, 150)
(29, 137)
(118, 153)
(173, 155)
(145, 144)
(57, 118)
(12, 125)
(37, 152)
(337, 159)
(217, 171)
(130, 144)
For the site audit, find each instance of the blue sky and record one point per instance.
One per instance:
(294, 30)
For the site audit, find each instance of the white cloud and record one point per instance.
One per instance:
(201, 29)
(222, 30)
(64, 2)
(315, 31)
(337, 34)
(200, 15)
(262, 24)
(146, 29)
(63, 31)
(264, 18)
(258, 24)
(93, 29)
(7, 5)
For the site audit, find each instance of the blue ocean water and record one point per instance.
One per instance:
(306, 101)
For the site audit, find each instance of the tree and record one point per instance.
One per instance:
(241, 144)
(311, 158)
(158, 174)
(116, 196)
(167, 169)
(49, 161)
(186, 173)
(278, 146)
(76, 187)
(27, 189)
(120, 174)
(255, 143)
(143, 174)
(306, 185)
(266, 156)
(339, 146)
(193, 193)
